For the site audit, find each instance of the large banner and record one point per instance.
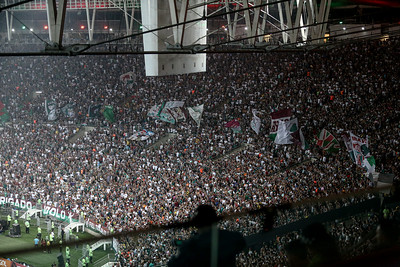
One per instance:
(276, 117)
(362, 155)
(68, 110)
(357, 144)
(170, 112)
(16, 202)
(284, 135)
(51, 109)
(58, 213)
(96, 226)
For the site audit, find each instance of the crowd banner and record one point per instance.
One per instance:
(276, 117)
(285, 131)
(16, 202)
(58, 213)
(96, 226)
(362, 155)
(51, 109)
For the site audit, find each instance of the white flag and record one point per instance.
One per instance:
(128, 77)
(285, 130)
(356, 144)
(196, 113)
(255, 122)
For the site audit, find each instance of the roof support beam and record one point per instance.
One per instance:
(56, 19)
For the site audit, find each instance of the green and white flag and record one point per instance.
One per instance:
(276, 117)
(170, 111)
(51, 109)
(196, 113)
(4, 116)
(128, 78)
(327, 142)
(68, 110)
(362, 154)
(154, 111)
(108, 113)
(165, 115)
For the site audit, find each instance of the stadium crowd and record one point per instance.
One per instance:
(125, 185)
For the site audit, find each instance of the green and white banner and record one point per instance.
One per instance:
(51, 109)
(68, 110)
(276, 117)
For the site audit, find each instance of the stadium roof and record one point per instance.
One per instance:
(118, 24)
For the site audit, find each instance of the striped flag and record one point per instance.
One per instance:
(327, 142)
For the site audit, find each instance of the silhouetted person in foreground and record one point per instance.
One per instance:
(296, 252)
(197, 250)
(387, 248)
(321, 246)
